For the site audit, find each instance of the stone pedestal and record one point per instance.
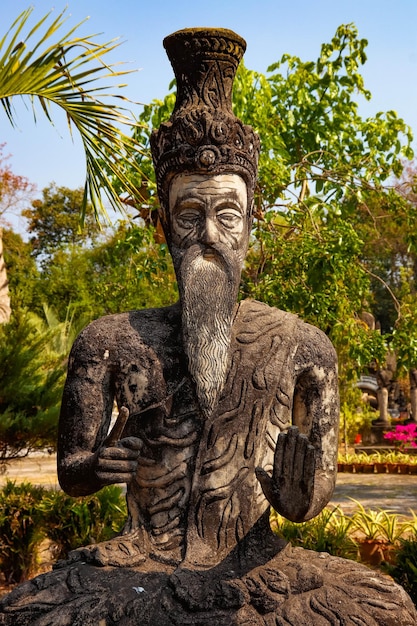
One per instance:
(296, 587)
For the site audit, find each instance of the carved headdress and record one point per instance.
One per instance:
(203, 135)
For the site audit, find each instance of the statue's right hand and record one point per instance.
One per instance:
(117, 463)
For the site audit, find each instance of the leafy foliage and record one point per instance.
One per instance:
(54, 221)
(126, 271)
(73, 522)
(322, 169)
(20, 530)
(328, 532)
(308, 255)
(30, 514)
(405, 335)
(32, 365)
(59, 68)
(354, 416)
(404, 571)
(22, 272)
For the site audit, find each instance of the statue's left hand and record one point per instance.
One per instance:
(290, 488)
(117, 463)
(116, 460)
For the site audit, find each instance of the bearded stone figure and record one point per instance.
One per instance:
(225, 409)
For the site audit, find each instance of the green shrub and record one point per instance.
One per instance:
(21, 530)
(30, 514)
(328, 532)
(73, 522)
(404, 571)
(32, 372)
(355, 419)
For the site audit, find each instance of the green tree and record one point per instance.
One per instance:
(384, 221)
(126, 271)
(404, 270)
(22, 271)
(321, 164)
(310, 254)
(54, 221)
(32, 364)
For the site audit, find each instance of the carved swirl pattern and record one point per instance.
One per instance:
(202, 476)
(253, 409)
(159, 496)
(296, 588)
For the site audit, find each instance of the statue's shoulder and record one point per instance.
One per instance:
(258, 318)
(259, 314)
(256, 323)
(143, 326)
(253, 311)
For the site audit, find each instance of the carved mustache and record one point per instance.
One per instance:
(219, 253)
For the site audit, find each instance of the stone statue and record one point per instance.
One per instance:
(225, 408)
(413, 393)
(4, 287)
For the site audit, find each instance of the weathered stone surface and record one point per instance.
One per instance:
(195, 492)
(295, 588)
(225, 409)
(249, 578)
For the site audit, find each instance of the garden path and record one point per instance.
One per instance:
(394, 492)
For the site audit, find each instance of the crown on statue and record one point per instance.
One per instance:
(203, 135)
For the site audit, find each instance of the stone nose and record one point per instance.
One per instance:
(210, 232)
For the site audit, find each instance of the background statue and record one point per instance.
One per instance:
(225, 409)
(413, 393)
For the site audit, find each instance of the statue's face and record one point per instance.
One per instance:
(209, 232)
(207, 209)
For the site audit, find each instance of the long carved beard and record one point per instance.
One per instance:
(208, 291)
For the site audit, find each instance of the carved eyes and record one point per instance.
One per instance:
(193, 218)
(229, 218)
(188, 219)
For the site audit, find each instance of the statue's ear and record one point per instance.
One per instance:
(163, 227)
(160, 234)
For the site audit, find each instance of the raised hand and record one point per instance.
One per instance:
(290, 488)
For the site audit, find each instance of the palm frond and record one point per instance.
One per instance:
(69, 73)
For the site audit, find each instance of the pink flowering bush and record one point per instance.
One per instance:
(403, 435)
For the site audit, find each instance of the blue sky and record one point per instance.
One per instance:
(271, 27)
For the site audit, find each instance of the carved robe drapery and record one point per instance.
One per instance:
(195, 493)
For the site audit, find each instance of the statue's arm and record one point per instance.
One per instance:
(305, 460)
(86, 460)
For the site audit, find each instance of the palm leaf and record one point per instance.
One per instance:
(69, 73)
